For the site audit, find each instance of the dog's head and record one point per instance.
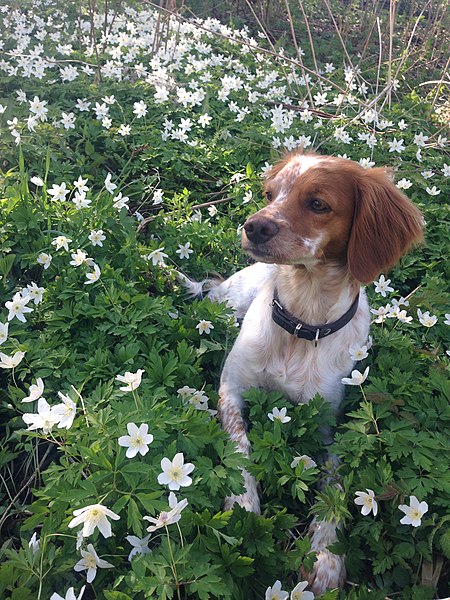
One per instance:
(331, 209)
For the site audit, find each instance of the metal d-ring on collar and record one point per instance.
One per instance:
(302, 330)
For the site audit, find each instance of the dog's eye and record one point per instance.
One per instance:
(268, 196)
(319, 206)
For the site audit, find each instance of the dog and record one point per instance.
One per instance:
(329, 226)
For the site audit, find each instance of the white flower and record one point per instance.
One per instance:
(357, 378)
(96, 237)
(61, 242)
(434, 191)
(426, 319)
(59, 192)
(94, 275)
(158, 197)
(168, 517)
(132, 380)
(90, 562)
(247, 196)
(396, 145)
(80, 184)
(34, 292)
(37, 181)
(420, 139)
(120, 201)
(184, 250)
(66, 411)
(414, 512)
(68, 120)
(279, 415)
(308, 462)
(109, 185)
(404, 184)
(403, 317)
(45, 259)
(80, 200)
(367, 501)
(402, 125)
(11, 362)
(185, 392)
(381, 313)
(204, 120)
(446, 170)
(298, 592)
(175, 473)
(366, 163)
(35, 392)
(92, 516)
(382, 286)
(446, 320)
(3, 332)
(79, 257)
(138, 440)
(140, 109)
(124, 130)
(34, 543)
(101, 110)
(358, 352)
(204, 326)
(199, 399)
(44, 419)
(38, 108)
(212, 210)
(82, 104)
(275, 592)
(18, 307)
(70, 595)
(157, 257)
(140, 546)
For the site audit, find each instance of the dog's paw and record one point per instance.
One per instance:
(249, 499)
(328, 573)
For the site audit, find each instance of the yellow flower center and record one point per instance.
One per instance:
(415, 514)
(90, 562)
(137, 441)
(176, 473)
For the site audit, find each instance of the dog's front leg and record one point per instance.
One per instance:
(230, 413)
(328, 571)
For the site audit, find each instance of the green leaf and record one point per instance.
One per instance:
(6, 263)
(444, 542)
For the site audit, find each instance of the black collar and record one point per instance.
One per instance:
(304, 331)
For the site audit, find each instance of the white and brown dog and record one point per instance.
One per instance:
(328, 227)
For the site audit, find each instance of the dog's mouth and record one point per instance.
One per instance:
(267, 254)
(258, 251)
(263, 253)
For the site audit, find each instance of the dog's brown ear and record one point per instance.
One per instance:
(385, 226)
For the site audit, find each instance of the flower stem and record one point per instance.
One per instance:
(174, 568)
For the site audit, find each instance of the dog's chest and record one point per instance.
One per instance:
(301, 369)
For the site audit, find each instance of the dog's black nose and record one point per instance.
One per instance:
(260, 230)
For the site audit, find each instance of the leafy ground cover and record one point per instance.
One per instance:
(133, 144)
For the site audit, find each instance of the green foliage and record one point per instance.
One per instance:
(393, 437)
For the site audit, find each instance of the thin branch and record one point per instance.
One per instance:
(25, 485)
